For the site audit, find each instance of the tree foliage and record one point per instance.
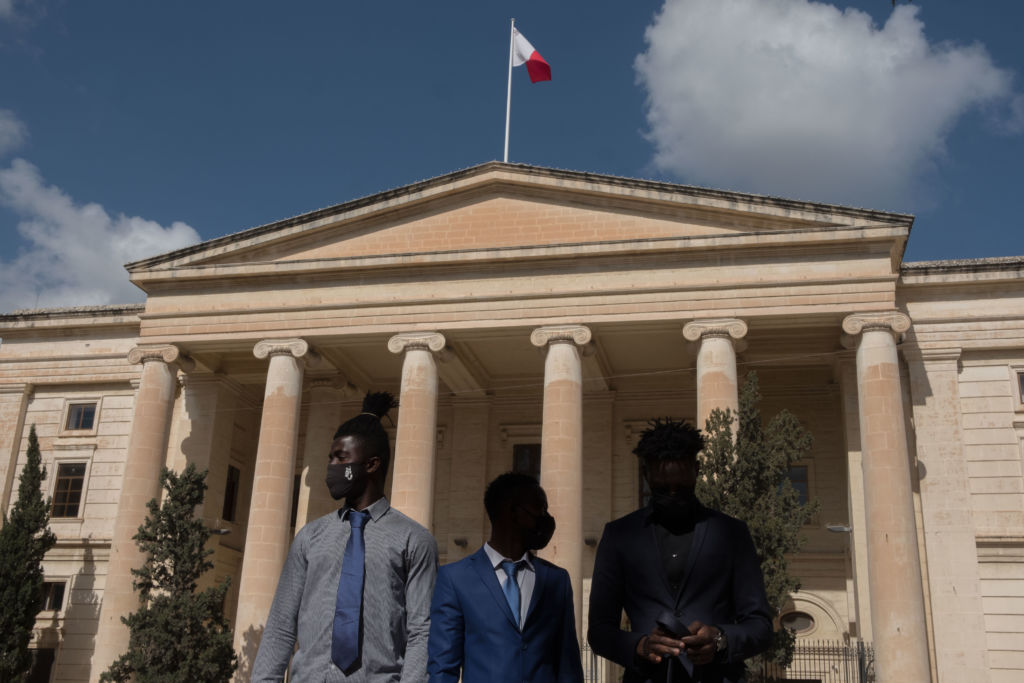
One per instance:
(745, 475)
(24, 540)
(178, 634)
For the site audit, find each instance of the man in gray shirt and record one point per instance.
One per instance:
(356, 587)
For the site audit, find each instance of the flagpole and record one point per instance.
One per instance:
(508, 100)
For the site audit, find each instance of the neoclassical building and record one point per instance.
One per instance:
(534, 319)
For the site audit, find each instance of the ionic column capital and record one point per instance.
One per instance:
(429, 341)
(561, 334)
(166, 353)
(696, 330)
(891, 321)
(297, 348)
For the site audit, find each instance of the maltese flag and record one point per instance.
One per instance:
(523, 53)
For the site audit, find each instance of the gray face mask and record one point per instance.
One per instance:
(344, 480)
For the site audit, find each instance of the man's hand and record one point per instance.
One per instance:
(701, 647)
(659, 644)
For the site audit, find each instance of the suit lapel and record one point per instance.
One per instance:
(485, 572)
(540, 585)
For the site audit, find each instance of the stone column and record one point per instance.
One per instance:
(561, 461)
(13, 403)
(958, 615)
(859, 605)
(323, 419)
(144, 459)
(717, 385)
(894, 562)
(267, 534)
(412, 485)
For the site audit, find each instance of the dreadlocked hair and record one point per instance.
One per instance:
(668, 439)
(367, 427)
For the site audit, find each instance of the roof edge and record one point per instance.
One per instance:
(560, 174)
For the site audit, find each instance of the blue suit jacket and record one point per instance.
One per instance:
(472, 631)
(723, 586)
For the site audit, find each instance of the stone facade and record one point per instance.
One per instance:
(535, 319)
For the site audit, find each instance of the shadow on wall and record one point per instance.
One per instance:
(250, 644)
(81, 621)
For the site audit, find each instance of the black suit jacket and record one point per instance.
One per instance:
(722, 586)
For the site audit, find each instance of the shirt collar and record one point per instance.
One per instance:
(497, 558)
(376, 509)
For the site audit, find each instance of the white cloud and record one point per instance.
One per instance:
(12, 131)
(800, 99)
(75, 252)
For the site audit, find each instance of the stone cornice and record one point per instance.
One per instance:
(297, 348)
(561, 334)
(428, 341)
(166, 353)
(21, 388)
(932, 355)
(714, 327)
(892, 321)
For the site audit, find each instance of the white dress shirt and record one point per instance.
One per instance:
(526, 577)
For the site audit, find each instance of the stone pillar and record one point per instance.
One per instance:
(859, 604)
(13, 403)
(267, 534)
(412, 485)
(323, 419)
(561, 461)
(958, 615)
(894, 562)
(717, 385)
(144, 460)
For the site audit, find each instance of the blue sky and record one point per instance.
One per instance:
(131, 127)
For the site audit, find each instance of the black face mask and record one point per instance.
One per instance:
(345, 479)
(543, 529)
(675, 509)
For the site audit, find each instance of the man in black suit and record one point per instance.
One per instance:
(687, 576)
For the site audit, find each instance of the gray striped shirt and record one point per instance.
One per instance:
(400, 567)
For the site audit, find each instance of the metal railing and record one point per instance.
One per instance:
(826, 661)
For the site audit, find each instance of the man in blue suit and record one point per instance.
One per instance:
(687, 577)
(503, 614)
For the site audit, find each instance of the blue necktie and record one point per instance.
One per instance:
(511, 587)
(345, 639)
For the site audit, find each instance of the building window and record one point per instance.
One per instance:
(231, 494)
(1020, 387)
(81, 417)
(798, 622)
(67, 492)
(53, 596)
(526, 459)
(798, 478)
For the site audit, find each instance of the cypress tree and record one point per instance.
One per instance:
(24, 540)
(746, 476)
(178, 634)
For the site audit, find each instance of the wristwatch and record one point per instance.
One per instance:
(721, 641)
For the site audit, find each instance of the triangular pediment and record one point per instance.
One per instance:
(510, 208)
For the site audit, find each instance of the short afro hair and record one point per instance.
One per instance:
(367, 427)
(506, 488)
(668, 439)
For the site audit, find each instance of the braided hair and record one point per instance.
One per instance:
(668, 439)
(366, 426)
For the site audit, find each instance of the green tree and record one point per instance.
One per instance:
(746, 475)
(24, 540)
(179, 633)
